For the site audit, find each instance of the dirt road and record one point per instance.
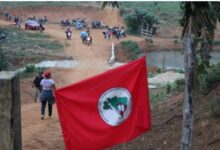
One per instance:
(46, 134)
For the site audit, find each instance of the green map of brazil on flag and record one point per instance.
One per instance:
(107, 109)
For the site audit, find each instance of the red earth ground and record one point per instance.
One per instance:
(166, 116)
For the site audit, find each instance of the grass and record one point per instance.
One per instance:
(169, 12)
(23, 47)
(19, 39)
(168, 90)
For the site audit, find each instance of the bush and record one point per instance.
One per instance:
(168, 88)
(212, 77)
(122, 11)
(131, 46)
(3, 60)
(130, 49)
(215, 107)
(179, 84)
(30, 68)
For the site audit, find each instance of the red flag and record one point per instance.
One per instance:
(105, 110)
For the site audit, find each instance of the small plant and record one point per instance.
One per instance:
(175, 37)
(30, 68)
(168, 88)
(158, 70)
(176, 41)
(210, 78)
(179, 71)
(216, 42)
(131, 48)
(179, 85)
(3, 60)
(155, 98)
(215, 107)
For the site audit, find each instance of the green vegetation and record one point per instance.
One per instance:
(3, 60)
(31, 70)
(28, 41)
(216, 42)
(24, 47)
(169, 12)
(131, 48)
(155, 98)
(210, 78)
(136, 19)
(167, 90)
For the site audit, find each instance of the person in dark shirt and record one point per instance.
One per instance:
(37, 86)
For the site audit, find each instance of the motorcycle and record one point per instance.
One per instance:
(87, 40)
(68, 35)
(65, 23)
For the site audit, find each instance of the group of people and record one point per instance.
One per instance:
(118, 32)
(45, 87)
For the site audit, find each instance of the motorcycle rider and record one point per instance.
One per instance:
(68, 33)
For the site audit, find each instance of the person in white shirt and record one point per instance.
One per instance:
(47, 96)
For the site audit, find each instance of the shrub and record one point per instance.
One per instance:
(212, 77)
(122, 11)
(168, 88)
(215, 107)
(30, 68)
(179, 84)
(176, 41)
(3, 60)
(179, 71)
(130, 49)
(131, 46)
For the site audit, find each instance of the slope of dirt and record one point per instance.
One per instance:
(166, 116)
(167, 123)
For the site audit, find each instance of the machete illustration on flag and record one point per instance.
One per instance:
(107, 109)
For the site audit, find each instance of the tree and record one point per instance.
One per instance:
(199, 22)
(139, 18)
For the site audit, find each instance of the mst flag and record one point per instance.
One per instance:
(105, 110)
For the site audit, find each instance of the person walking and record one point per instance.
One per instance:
(36, 84)
(47, 96)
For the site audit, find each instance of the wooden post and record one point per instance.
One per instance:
(10, 112)
(188, 104)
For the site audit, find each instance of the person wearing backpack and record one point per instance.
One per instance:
(36, 84)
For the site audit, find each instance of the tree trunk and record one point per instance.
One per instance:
(188, 110)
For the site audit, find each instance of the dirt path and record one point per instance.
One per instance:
(46, 134)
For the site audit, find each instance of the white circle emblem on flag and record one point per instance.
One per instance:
(115, 106)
